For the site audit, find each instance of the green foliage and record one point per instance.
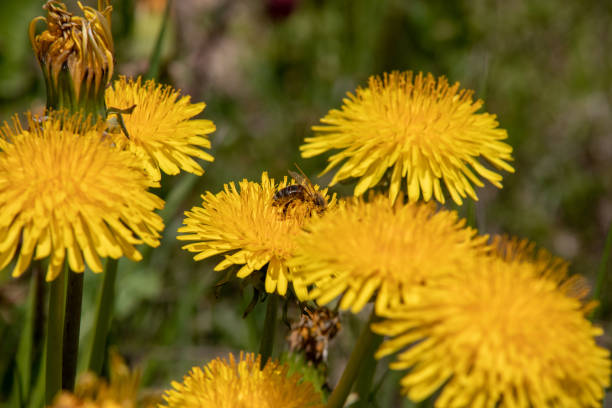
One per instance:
(298, 364)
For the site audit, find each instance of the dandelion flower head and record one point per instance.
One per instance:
(94, 392)
(244, 224)
(68, 400)
(544, 265)
(160, 126)
(416, 128)
(67, 194)
(365, 249)
(503, 335)
(242, 384)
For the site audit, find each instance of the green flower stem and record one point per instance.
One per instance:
(72, 326)
(365, 344)
(602, 273)
(104, 315)
(55, 331)
(363, 385)
(269, 329)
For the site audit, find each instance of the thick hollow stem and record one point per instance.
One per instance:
(365, 344)
(72, 327)
(104, 315)
(269, 329)
(55, 330)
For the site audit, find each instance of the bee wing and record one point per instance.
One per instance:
(297, 177)
(304, 180)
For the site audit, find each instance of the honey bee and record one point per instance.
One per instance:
(302, 191)
(313, 333)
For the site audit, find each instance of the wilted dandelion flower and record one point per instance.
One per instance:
(367, 249)
(417, 128)
(244, 224)
(242, 384)
(66, 193)
(503, 335)
(160, 126)
(76, 56)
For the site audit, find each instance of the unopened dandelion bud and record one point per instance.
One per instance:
(76, 56)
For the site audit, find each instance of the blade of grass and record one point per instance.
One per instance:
(37, 397)
(180, 191)
(351, 371)
(104, 315)
(154, 61)
(269, 329)
(25, 350)
(177, 195)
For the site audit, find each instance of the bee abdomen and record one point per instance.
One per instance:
(294, 190)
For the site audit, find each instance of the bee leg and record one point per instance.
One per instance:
(285, 208)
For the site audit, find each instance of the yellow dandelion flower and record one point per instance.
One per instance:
(68, 400)
(160, 126)
(544, 265)
(242, 384)
(503, 335)
(418, 128)
(371, 249)
(95, 392)
(245, 223)
(67, 195)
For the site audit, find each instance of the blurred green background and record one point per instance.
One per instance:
(269, 69)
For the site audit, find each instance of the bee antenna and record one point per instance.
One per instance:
(300, 170)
